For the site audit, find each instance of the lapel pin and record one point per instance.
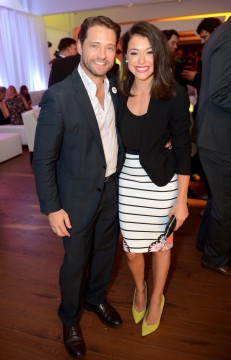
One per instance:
(114, 90)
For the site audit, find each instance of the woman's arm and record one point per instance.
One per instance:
(180, 208)
(25, 103)
(4, 109)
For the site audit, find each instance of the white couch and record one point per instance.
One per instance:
(29, 119)
(19, 129)
(10, 146)
(26, 132)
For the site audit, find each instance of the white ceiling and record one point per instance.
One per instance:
(170, 7)
(165, 14)
(46, 7)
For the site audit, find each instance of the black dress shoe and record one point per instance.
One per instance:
(224, 270)
(74, 342)
(106, 313)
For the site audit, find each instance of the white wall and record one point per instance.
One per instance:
(154, 13)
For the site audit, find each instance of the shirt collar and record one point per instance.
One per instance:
(88, 83)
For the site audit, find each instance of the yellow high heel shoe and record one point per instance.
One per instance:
(139, 315)
(148, 329)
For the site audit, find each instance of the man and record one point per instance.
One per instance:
(66, 47)
(75, 161)
(214, 147)
(62, 68)
(205, 28)
(172, 38)
(192, 77)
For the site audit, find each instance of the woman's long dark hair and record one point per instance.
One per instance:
(162, 87)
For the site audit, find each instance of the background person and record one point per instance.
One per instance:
(213, 124)
(66, 47)
(25, 92)
(16, 105)
(172, 37)
(4, 112)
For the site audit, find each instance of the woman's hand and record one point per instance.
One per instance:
(180, 210)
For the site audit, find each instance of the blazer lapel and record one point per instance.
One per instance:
(85, 104)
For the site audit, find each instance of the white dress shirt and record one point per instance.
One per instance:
(106, 120)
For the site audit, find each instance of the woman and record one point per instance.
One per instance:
(16, 105)
(25, 93)
(154, 179)
(4, 112)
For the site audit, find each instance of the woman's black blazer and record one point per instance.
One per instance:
(166, 119)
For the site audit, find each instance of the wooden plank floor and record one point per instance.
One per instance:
(196, 322)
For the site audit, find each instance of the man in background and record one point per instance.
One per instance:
(172, 38)
(214, 146)
(205, 28)
(66, 47)
(62, 68)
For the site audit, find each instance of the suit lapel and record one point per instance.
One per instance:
(85, 104)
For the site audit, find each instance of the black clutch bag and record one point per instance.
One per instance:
(170, 227)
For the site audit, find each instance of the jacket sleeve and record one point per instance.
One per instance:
(220, 74)
(48, 140)
(180, 129)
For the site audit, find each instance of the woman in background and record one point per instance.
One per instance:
(4, 112)
(154, 180)
(16, 105)
(24, 92)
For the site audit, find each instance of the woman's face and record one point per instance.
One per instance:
(140, 57)
(2, 95)
(11, 91)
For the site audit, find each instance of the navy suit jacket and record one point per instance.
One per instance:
(68, 160)
(214, 109)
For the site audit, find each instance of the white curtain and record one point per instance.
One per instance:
(23, 50)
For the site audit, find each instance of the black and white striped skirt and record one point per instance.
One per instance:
(144, 208)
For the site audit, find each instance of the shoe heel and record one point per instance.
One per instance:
(150, 328)
(139, 315)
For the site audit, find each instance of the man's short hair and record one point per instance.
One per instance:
(208, 24)
(169, 33)
(65, 43)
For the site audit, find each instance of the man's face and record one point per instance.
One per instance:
(204, 35)
(98, 51)
(72, 49)
(172, 43)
